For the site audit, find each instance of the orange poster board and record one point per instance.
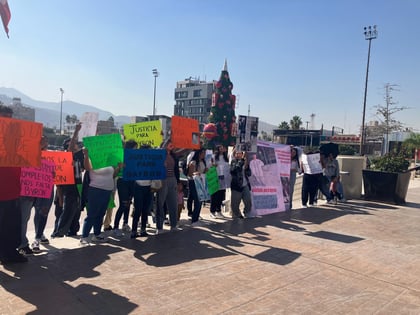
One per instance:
(63, 161)
(20, 142)
(185, 133)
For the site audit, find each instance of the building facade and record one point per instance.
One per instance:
(193, 99)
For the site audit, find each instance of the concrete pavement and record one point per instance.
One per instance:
(359, 257)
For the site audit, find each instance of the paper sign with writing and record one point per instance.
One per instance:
(63, 166)
(89, 125)
(144, 164)
(104, 150)
(185, 133)
(311, 163)
(37, 181)
(146, 132)
(20, 142)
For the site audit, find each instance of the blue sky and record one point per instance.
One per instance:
(285, 58)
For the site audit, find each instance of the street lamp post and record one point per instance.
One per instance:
(370, 33)
(61, 111)
(155, 74)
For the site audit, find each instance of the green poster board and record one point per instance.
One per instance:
(105, 150)
(212, 180)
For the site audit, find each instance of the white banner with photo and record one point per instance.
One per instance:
(270, 168)
(311, 163)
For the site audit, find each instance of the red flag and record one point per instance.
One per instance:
(5, 15)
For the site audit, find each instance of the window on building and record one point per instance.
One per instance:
(196, 93)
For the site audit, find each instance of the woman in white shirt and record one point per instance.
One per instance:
(99, 192)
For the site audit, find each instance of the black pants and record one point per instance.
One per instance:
(310, 186)
(216, 200)
(10, 229)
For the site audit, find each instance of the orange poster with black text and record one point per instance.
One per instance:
(20, 142)
(63, 166)
(185, 133)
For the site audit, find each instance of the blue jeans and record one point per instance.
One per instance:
(197, 203)
(125, 194)
(142, 203)
(167, 194)
(98, 200)
(236, 197)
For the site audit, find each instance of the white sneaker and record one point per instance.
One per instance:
(213, 216)
(219, 215)
(99, 238)
(35, 247)
(330, 202)
(176, 229)
(84, 241)
(126, 228)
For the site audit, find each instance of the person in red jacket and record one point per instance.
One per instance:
(10, 215)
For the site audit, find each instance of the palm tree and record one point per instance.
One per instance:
(284, 125)
(295, 123)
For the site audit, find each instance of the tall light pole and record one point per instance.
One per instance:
(370, 33)
(155, 74)
(61, 111)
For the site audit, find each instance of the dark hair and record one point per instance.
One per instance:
(196, 157)
(130, 144)
(217, 153)
(66, 143)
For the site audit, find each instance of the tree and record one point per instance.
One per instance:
(412, 144)
(295, 123)
(71, 119)
(385, 113)
(284, 125)
(222, 112)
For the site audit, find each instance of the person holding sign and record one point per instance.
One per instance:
(196, 167)
(169, 192)
(125, 190)
(221, 161)
(10, 215)
(240, 186)
(99, 192)
(67, 196)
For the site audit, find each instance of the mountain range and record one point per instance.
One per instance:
(48, 113)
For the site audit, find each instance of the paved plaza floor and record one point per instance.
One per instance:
(359, 257)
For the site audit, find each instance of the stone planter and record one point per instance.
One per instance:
(385, 186)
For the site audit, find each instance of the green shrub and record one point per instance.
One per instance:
(390, 162)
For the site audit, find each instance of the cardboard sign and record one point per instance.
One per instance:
(63, 166)
(104, 150)
(144, 164)
(185, 133)
(146, 132)
(20, 142)
(37, 181)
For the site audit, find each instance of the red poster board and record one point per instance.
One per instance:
(20, 142)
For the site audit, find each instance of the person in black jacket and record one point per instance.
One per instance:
(240, 187)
